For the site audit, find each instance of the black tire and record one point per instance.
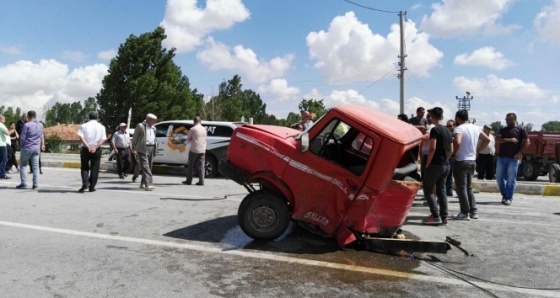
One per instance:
(210, 166)
(554, 173)
(530, 170)
(263, 215)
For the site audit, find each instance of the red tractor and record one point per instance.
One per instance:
(542, 157)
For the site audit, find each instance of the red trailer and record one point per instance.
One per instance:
(542, 156)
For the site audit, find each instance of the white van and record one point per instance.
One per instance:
(174, 150)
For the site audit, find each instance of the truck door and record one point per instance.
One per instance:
(328, 176)
(162, 130)
(177, 148)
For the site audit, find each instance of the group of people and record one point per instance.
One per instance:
(455, 151)
(142, 146)
(31, 142)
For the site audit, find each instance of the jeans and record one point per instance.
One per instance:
(26, 156)
(436, 175)
(506, 176)
(196, 162)
(463, 172)
(90, 162)
(3, 160)
(449, 182)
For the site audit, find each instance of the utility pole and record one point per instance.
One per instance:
(402, 55)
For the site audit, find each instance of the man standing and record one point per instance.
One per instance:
(92, 135)
(31, 145)
(419, 121)
(144, 144)
(437, 167)
(485, 160)
(512, 140)
(197, 138)
(121, 147)
(20, 123)
(465, 140)
(306, 121)
(425, 144)
(4, 134)
(449, 181)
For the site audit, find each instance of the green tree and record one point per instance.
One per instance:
(10, 114)
(496, 126)
(59, 113)
(551, 126)
(144, 77)
(528, 127)
(314, 106)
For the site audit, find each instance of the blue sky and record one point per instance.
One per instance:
(504, 52)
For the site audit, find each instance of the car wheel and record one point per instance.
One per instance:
(263, 215)
(210, 166)
(554, 173)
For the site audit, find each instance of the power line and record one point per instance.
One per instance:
(371, 8)
(377, 80)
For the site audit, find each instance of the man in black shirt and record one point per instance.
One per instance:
(437, 168)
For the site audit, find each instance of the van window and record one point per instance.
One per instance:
(161, 130)
(218, 130)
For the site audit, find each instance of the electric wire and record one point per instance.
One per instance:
(453, 272)
(374, 82)
(371, 8)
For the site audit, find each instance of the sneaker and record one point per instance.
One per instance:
(21, 186)
(134, 178)
(35, 186)
(504, 201)
(450, 194)
(141, 185)
(149, 188)
(6, 177)
(461, 216)
(431, 220)
(444, 220)
(474, 215)
(507, 202)
(9, 172)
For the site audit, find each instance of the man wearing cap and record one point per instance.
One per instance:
(144, 144)
(485, 159)
(92, 135)
(121, 146)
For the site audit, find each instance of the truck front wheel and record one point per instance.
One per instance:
(554, 173)
(530, 170)
(263, 215)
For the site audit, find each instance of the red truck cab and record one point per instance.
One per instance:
(340, 178)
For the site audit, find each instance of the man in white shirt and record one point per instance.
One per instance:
(465, 141)
(121, 147)
(92, 135)
(306, 121)
(197, 138)
(485, 159)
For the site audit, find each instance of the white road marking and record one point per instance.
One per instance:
(282, 258)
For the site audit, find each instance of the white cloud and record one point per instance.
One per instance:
(31, 85)
(547, 22)
(107, 55)
(278, 89)
(186, 25)
(219, 56)
(486, 56)
(74, 55)
(493, 88)
(458, 17)
(13, 50)
(350, 52)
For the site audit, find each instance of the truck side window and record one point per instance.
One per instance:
(161, 130)
(344, 145)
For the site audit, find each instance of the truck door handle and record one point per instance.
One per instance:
(351, 184)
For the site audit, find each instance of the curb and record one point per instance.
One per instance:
(545, 189)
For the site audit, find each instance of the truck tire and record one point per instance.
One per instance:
(263, 215)
(530, 170)
(554, 173)
(210, 166)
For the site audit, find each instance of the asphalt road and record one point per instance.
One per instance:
(184, 241)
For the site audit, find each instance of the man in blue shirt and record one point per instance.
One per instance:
(31, 145)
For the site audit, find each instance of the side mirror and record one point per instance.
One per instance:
(304, 142)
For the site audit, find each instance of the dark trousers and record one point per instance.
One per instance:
(90, 167)
(485, 166)
(196, 161)
(123, 161)
(11, 157)
(463, 172)
(436, 175)
(449, 182)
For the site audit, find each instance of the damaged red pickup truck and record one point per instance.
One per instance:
(341, 178)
